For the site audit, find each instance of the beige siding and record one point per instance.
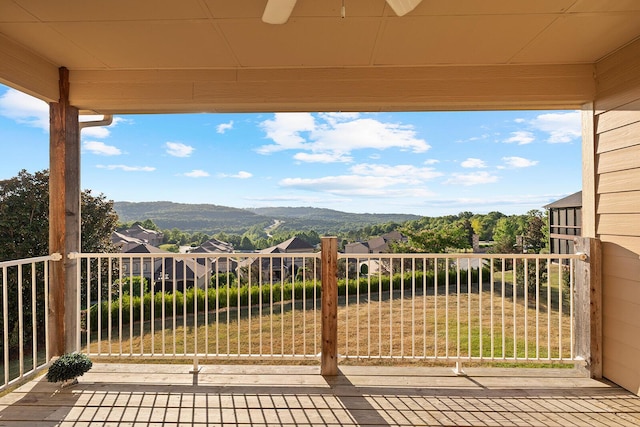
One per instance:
(617, 166)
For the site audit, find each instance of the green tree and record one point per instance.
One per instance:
(24, 233)
(246, 244)
(24, 218)
(435, 240)
(505, 235)
(536, 232)
(149, 225)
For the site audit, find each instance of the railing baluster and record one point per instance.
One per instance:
(20, 321)
(34, 319)
(403, 330)
(5, 323)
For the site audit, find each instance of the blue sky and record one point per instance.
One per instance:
(428, 164)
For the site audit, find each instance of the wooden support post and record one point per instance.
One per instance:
(64, 219)
(587, 320)
(329, 262)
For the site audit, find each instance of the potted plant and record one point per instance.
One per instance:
(68, 367)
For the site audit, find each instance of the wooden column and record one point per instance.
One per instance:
(64, 219)
(329, 262)
(587, 321)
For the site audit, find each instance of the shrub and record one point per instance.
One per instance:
(68, 367)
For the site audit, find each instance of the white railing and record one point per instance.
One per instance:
(24, 320)
(439, 307)
(457, 307)
(199, 305)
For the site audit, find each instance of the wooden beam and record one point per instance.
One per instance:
(64, 219)
(587, 322)
(21, 69)
(331, 89)
(329, 262)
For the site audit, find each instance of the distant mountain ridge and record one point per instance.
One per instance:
(211, 219)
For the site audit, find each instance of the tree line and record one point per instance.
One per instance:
(24, 227)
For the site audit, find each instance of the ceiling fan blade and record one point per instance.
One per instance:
(402, 7)
(278, 11)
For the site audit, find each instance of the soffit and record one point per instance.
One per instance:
(154, 36)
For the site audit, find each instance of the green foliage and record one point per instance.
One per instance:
(69, 366)
(505, 235)
(170, 247)
(131, 285)
(536, 231)
(521, 233)
(435, 238)
(24, 233)
(24, 216)
(223, 279)
(527, 269)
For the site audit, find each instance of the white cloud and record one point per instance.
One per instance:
(24, 109)
(516, 201)
(223, 127)
(561, 127)
(239, 175)
(473, 163)
(330, 137)
(178, 149)
(370, 180)
(475, 138)
(101, 149)
(197, 173)
(355, 185)
(406, 173)
(127, 168)
(285, 130)
(99, 132)
(322, 157)
(519, 120)
(521, 137)
(431, 161)
(473, 178)
(334, 118)
(518, 162)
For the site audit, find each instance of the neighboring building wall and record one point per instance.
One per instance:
(615, 194)
(565, 223)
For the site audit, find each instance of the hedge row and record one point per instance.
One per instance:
(128, 307)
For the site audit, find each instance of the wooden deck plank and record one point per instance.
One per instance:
(164, 395)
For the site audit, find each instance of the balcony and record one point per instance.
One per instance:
(165, 395)
(369, 337)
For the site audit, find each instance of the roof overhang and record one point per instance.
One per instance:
(151, 56)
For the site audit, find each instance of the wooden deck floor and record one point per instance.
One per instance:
(165, 395)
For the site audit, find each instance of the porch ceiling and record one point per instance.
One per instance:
(217, 55)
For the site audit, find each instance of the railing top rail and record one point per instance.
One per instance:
(15, 262)
(580, 256)
(194, 255)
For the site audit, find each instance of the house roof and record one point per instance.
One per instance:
(213, 245)
(121, 238)
(294, 244)
(571, 201)
(145, 248)
(148, 56)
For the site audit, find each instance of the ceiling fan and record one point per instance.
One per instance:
(278, 11)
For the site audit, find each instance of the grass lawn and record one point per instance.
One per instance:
(419, 324)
